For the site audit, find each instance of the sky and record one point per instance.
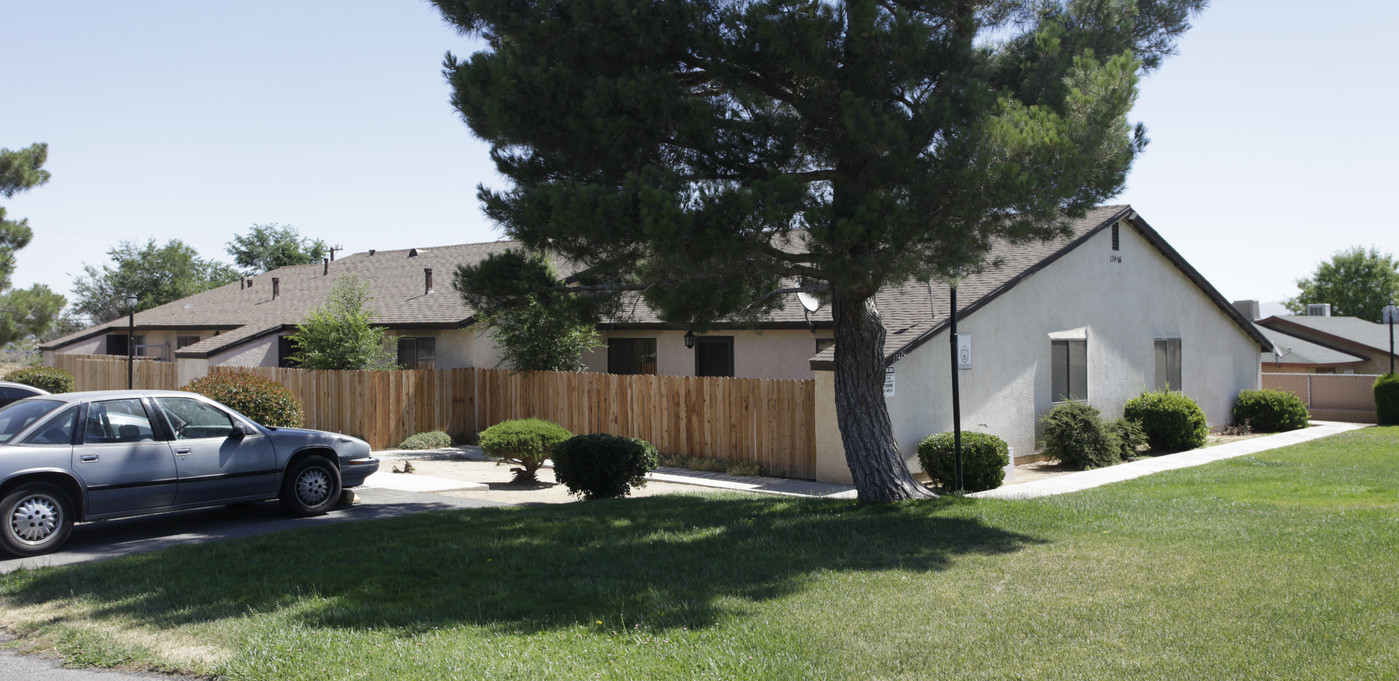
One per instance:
(1273, 139)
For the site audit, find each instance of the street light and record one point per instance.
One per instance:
(130, 336)
(1389, 314)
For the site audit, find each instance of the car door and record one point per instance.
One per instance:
(123, 461)
(214, 458)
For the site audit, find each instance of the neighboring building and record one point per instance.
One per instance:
(1100, 315)
(1339, 345)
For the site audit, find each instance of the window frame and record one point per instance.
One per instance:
(1068, 345)
(1161, 358)
(636, 357)
(715, 340)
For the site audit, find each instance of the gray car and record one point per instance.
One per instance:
(115, 453)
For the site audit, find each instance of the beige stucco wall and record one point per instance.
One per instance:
(260, 352)
(781, 353)
(1121, 308)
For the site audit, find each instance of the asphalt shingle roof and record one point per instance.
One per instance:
(1372, 335)
(1293, 350)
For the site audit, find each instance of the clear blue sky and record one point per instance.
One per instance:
(1273, 136)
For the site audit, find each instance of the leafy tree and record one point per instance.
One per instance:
(714, 154)
(1357, 283)
(270, 246)
(25, 312)
(341, 334)
(537, 331)
(156, 275)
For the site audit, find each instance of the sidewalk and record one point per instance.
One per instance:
(1074, 482)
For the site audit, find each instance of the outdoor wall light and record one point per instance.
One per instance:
(690, 340)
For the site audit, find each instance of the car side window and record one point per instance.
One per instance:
(8, 395)
(118, 421)
(192, 419)
(58, 430)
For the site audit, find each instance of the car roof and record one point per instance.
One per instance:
(88, 395)
(12, 384)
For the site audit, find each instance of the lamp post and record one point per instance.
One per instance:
(130, 336)
(1389, 315)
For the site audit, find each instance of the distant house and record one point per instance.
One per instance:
(1100, 315)
(1323, 344)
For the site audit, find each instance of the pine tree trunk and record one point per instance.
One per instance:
(879, 471)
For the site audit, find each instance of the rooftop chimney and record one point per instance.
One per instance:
(326, 262)
(276, 287)
(1247, 308)
(371, 251)
(242, 283)
(427, 283)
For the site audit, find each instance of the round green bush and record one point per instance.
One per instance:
(601, 466)
(1270, 411)
(1075, 434)
(1173, 422)
(434, 439)
(527, 442)
(44, 378)
(1130, 435)
(984, 460)
(1387, 400)
(260, 399)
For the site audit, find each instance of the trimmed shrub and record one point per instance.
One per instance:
(526, 442)
(1270, 411)
(1173, 422)
(1387, 400)
(984, 460)
(260, 399)
(602, 466)
(1130, 434)
(1074, 433)
(434, 439)
(44, 378)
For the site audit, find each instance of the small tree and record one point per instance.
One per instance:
(527, 442)
(535, 331)
(155, 274)
(23, 312)
(267, 247)
(341, 334)
(1356, 282)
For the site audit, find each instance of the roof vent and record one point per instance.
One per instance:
(326, 262)
(276, 287)
(427, 280)
(1318, 309)
(415, 252)
(371, 251)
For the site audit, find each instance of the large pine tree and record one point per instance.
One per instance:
(730, 149)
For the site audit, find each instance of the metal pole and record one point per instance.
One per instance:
(1391, 337)
(130, 343)
(956, 394)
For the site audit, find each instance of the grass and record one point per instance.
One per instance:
(1280, 565)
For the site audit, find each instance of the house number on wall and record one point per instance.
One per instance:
(1115, 258)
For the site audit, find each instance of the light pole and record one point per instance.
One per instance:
(1389, 314)
(130, 336)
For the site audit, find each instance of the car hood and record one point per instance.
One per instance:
(300, 437)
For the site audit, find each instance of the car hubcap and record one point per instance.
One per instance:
(313, 486)
(36, 519)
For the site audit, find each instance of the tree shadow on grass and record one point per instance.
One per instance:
(666, 561)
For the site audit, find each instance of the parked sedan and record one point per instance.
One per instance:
(14, 392)
(116, 453)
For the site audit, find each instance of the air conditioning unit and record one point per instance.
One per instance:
(1318, 309)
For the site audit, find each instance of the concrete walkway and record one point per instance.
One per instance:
(1073, 482)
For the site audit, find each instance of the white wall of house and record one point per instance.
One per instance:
(259, 352)
(456, 348)
(782, 353)
(1119, 307)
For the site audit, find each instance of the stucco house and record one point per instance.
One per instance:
(1099, 315)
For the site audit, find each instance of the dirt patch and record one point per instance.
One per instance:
(497, 477)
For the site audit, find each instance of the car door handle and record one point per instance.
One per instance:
(88, 458)
(183, 452)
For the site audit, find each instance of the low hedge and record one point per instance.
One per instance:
(433, 439)
(1173, 422)
(602, 466)
(984, 460)
(51, 379)
(1270, 411)
(1075, 435)
(258, 398)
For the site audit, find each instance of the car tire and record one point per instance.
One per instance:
(38, 517)
(311, 487)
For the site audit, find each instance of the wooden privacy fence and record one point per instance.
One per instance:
(769, 422)
(108, 372)
(1330, 397)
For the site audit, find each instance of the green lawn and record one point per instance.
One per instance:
(1283, 565)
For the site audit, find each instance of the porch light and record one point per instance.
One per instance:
(689, 340)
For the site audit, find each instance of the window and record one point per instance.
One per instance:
(118, 421)
(192, 419)
(284, 352)
(20, 415)
(631, 355)
(1168, 364)
(182, 341)
(58, 431)
(1069, 366)
(417, 353)
(1116, 242)
(823, 343)
(714, 356)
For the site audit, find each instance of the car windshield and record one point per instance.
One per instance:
(20, 415)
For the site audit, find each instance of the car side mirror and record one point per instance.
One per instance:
(241, 430)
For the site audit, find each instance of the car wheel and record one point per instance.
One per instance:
(38, 519)
(311, 487)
